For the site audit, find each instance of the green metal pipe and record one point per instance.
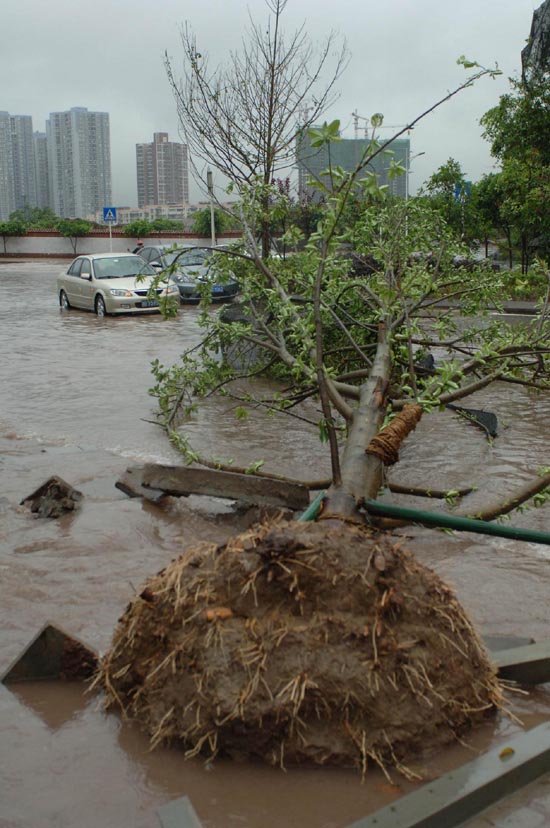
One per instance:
(460, 524)
(313, 509)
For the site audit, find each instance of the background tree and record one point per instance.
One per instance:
(526, 206)
(202, 222)
(450, 193)
(244, 118)
(488, 194)
(11, 228)
(518, 129)
(161, 225)
(520, 123)
(38, 217)
(74, 229)
(138, 229)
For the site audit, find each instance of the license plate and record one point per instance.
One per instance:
(217, 289)
(149, 303)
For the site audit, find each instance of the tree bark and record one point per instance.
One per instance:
(362, 473)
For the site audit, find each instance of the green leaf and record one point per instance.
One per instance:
(254, 467)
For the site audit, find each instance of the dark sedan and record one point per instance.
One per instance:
(192, 269)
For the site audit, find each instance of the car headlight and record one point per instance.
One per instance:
(119, 292)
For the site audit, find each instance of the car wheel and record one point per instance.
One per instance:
(100, 308)
(64, 301)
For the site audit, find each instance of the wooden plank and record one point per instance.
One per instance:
(131, 483)
(462, 794)
(185, 480)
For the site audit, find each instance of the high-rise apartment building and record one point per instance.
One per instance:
(7, 191)
(17, 171)
(24, 174)
(79, 162)
(41, 169)
(162, 172)
(347, 153)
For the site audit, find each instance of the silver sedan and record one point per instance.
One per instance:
(113, 283)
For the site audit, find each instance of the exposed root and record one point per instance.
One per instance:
(301, 643)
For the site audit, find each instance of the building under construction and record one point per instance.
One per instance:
(313, 162)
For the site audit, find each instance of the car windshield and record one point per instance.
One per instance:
(199, 257)
(117, 267)
(169, 258)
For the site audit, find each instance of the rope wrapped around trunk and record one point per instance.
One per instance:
(388, 441)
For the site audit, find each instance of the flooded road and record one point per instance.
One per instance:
(75, 403)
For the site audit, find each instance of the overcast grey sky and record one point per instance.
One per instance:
(108, 56)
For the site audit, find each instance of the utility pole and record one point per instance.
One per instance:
(210, 185)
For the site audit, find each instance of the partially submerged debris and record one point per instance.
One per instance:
(300, 643)
(154, 480)
(456, 797)
(485, 420)
(53, 498)
(525, 664)
(52, 654)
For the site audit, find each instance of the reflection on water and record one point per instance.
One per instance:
(56, 703)
(75, 403)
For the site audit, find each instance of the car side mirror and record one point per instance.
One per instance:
(87, 276)
(156, 265)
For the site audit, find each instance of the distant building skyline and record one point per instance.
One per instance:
(162, 172)
(67, 168)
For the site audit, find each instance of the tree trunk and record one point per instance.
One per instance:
(362, 473)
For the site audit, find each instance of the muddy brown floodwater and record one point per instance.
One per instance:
(74, 403)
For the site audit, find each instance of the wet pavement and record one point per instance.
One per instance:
(75, 403)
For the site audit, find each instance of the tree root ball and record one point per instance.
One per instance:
(300, 643)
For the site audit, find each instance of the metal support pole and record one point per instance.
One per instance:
(211, 196)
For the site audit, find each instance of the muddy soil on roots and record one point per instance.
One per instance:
(300, 643)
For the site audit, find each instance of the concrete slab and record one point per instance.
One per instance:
(458, 796)
(496, 643)
(178, 814)
(526, 665)
(52, 654)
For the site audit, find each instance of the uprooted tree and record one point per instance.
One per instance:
(325, 641)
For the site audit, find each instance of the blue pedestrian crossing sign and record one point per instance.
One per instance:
(109, 214)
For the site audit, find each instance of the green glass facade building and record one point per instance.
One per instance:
(347, 153)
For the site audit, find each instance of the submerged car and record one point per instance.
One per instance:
(112, 283)
(192, 268)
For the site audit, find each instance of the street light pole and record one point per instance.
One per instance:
(210, 185)
(409, 171)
